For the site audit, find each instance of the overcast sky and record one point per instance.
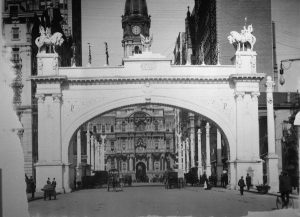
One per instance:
(102, 22)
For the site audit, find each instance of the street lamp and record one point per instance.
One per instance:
(282, 68)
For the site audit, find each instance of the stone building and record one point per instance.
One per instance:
(137, 141)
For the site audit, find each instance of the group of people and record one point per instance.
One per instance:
(49, 189)
(242, 184)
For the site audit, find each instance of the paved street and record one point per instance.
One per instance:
(153, 200)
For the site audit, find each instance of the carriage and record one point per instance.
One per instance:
(113, 180)
(49, 190)
(171, 180)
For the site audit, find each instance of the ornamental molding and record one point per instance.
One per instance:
(247, 77)
(48, 79)
(144, 79)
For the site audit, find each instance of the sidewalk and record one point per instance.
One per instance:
(38, 196)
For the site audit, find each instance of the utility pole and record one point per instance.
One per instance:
(106, 53)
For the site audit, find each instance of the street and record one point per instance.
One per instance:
(153, 200)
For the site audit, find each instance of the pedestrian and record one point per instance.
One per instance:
(32, 186)
(248, 181)
(241, 183)
(285, 188)
(48, 181)
(53, 183)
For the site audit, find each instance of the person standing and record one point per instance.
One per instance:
(285, 188)
(241, 183)
(32, 186)
(248, 181)
(48, 181)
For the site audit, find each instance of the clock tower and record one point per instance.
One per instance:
(135, 21)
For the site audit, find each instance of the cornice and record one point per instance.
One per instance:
(143, 79)
(48, 79)
(247, 77)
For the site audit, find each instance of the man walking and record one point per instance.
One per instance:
(241, 183)
(248, 181)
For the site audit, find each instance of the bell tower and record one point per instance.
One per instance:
(135, 21)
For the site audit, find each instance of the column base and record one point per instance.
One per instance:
(208, 171)
(272, 172)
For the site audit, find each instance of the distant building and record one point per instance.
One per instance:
(209, 24)
(139, 142)
(135, 21)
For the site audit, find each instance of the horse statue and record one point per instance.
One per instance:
(46, 39)
(146, 42)
(243, 38)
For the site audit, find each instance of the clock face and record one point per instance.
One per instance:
(136, 30)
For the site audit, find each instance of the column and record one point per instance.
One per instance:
(78, 147)
(92, 153)
(183, 157)
(130, 163)
(102, 153)
(199, 154)
(272, 158)
(88, 144)
(179, 151)
(192, 138)
(208, 166)
(219, 156)
(187, 146)
(150, 163)
(78, 168)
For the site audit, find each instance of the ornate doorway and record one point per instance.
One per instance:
(141, 172)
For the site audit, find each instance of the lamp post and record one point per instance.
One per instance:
(282, 68)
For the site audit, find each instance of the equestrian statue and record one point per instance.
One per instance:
(245, 38)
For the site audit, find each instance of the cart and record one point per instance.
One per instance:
(49, 190)
(114, 181)
(171, 180)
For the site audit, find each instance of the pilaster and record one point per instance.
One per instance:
(208, 165)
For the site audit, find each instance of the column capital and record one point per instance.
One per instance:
(255, 95)
(40, 97)
(239, 95)
(199, 131)
(57, 97)
(207, 126)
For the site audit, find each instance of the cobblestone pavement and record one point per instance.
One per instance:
(153, 201)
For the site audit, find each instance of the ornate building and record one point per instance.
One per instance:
(137, 141)
(135, 21)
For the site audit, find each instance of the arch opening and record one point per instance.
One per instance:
(147, 134)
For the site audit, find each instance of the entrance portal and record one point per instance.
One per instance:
(141, 172)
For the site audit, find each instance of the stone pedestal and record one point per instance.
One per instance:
(56, 170)
(272, 173)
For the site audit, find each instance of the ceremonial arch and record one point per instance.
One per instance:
(225, 95)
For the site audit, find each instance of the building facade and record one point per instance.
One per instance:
(20, 27)
(137, 141)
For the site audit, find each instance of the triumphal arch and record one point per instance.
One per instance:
(227, 95)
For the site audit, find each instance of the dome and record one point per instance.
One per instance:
(136, 7)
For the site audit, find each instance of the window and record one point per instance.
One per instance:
(15, 55)
(156, 125)
(103, 128)
(112, 146)
(123, 126)
(112, 128)
(15, 33)
(13, 9)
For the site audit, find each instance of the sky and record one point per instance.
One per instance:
(101, 22)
